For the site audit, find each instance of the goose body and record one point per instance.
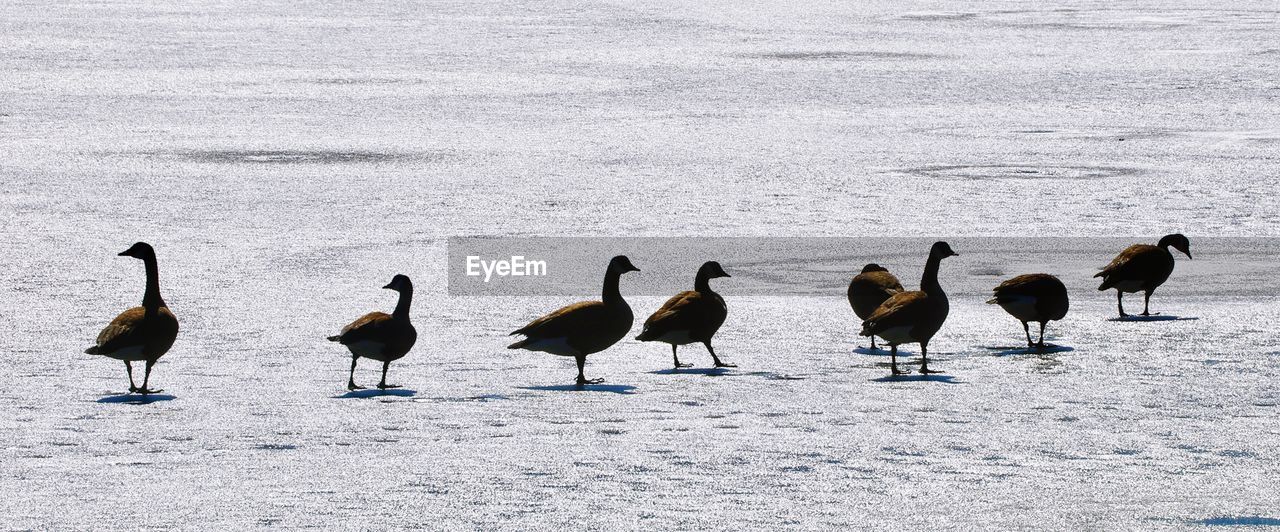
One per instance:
(583, 328)
(913, 316)
(869, 289)
(1142, 268)
(690, 316)
(140, 334)
(380, 336)
(1037, 297)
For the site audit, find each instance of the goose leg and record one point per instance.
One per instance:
(128, 368)
(146, 377)
(893, 359)
(351, 377)
(1146, 304)
(1027, 330)
(383, 385)
(582, 379)
(1041, 344)
(924, 359)
(873, 342)
(719, 364)
(677, 359)
(1120, 303)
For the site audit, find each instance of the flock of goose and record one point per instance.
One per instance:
(896, 315)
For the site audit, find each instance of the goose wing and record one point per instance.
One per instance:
(132, 328)
(367, 327)
(567, 321)
(1132, 263)
(679, 313)
(902, 308)
(1030, 284)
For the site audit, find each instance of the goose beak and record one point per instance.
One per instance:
(1188, 254)
(954, 254)
(726, 274)
(124, 253)
(634, 269)
(390, 286)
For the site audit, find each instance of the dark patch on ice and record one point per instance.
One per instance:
(769, 375)
(137, 398)
(1153, 317)
(275, 446)
(712, 372)
(986, 172)
(937, 15)
(622, 389)
(835, 55)
(1240, 521)
(1090, 19)
(294, 156)
(375, 393)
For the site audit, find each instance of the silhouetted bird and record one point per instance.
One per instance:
(871, 288)
(583, 328)
(690, 316)
(913, 317)
(140, 334)
(1033, 297)
(1142, 267)
(381, 336)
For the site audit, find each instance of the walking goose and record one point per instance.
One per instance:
(915, 316)
(141, 333)
(379, 336)
(1142, 267)
(690, 316)
(583, 328)
(869, 289)
(1032, 297)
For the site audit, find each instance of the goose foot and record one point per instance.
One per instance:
(145, 391)
(584, 382)
(353, 387)
(387, 386)
(924, 370)
(725, 365)
(684, 365)
(897, 371)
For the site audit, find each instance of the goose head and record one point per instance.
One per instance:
(711, 270)
(140, 250)
(400, 283)
(941, 250)
(1178, 242)
(621, 264)
(873, 267)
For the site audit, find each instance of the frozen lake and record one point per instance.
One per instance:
(286, 159)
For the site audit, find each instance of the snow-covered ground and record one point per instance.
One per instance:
(286, 159)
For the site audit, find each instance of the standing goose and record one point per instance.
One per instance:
(1032, 297)
(913, 317)
(379, 336)
(583, 328)
(1142, 267)
(869, 289)
(141, 333)
(690, 316)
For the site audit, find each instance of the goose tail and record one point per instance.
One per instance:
(993, 301)
(519, 344)
(335, 338)
(91, 351)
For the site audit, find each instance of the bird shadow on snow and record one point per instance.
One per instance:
(372, 393)
(136, 398)
(1001, 351)
(918, 377)
(880, 352)
(623, 389)
(1153, 317)
(710, 372)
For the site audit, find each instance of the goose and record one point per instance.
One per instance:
(140, 334)
(1032, 297)
(690, 316)
(381, 336)
(915, 316)
(583, 328)
(869, 289)
(1142, 267)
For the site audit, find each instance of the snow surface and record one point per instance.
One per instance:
(286, 159)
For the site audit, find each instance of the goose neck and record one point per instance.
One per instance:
(151, 298)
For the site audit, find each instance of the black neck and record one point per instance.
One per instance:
(151, 298)
(402, 306)
(929, 281)
(610, 293)
(702, 283)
